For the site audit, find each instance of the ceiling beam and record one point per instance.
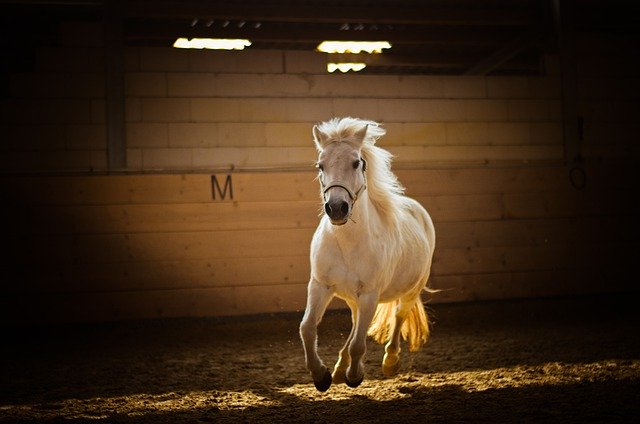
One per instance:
(505, 53)
(268, 12)
(314, 33)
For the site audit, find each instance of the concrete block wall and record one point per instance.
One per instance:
(202, 110)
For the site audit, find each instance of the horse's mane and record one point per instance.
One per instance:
(385, 191)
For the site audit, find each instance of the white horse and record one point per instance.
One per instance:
(373, 248)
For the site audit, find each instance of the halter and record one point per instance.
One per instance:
(353, 195)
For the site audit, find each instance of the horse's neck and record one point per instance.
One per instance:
(364, 222)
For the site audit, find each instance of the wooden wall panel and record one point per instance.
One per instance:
(161, 245)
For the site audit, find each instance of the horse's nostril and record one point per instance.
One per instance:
(327, 208)
(344, 208)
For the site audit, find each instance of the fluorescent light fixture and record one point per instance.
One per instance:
(353, 46)
(211, 43)
(345, 67)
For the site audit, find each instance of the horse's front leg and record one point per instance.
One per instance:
(366, 308)
(344, 360)
(318, 298)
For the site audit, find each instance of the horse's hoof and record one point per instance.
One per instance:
(353, 384)
(390, 370)
(324, 384)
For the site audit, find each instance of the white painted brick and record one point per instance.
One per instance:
(397, 110)
(310, 62)
(215, 110)
(241, 85)
(212, 61)
(86, 137)
(509, 133)
(259, 61)
(48, 111)
(485, 110)
(507, 87)
(545, 87)
(132, 59)
(167, 159)
(164, 59)
(132, 109)
(286, 85)
(99, 160)
(34, 137)
(443, 110)
(464, 87)
(264, 110)
(63, 59)
(166, 109)
(528, 110)
(193, 135)
(85, 34)
(357, 108)
(146, 84)
(134, 159)
(85, 84)
(241, 135)
(254, 157)
(147, 135)
(191, 84)
(37, 85)
(427, 87)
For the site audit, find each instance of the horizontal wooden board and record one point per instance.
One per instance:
(291, 186)
(28, 308)
(145, 247)
(166, 275)
(217, 216)
(484, 260)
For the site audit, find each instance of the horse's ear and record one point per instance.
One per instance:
(361, 134)
(319, 137)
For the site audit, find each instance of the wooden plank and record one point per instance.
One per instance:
(564, 204)
(474, 287)
(205, 302)
(290, 186)
(143, 247)
(165, 275)
(187, 217)
(485, 260)
(469, 207)
(483, 180)
(530, 232)
(216, 216)
(232, 301)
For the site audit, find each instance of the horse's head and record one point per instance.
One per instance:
(342, 172)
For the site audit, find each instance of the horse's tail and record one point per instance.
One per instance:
(415, 328)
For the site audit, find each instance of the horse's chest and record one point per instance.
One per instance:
(349, 267)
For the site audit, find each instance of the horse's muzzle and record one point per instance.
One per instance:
(337, 211)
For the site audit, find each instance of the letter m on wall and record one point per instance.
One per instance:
(220, 193)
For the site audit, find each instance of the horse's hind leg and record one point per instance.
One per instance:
(344, 359)
(318, 298)
(391, 360)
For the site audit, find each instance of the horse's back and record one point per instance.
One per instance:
(422, 217)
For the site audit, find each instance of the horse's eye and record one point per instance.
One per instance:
(356, 164)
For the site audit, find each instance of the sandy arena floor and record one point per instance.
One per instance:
(553, 360)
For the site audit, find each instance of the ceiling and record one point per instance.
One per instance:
(445, 37)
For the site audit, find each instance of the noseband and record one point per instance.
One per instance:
(353, 195)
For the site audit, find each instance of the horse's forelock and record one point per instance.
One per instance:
(346, 129)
